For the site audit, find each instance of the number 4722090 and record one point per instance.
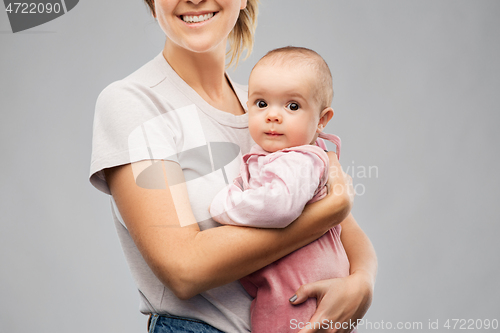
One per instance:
(471, 324)
(33, 8)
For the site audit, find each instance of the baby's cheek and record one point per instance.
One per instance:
(253, 127)
(302, 136)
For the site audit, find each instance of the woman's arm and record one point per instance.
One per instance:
(360, 251)
(190, 261)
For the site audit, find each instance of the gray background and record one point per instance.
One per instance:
(416, 96)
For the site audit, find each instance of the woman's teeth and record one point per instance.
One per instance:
(196, 19)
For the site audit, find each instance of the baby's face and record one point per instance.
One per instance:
(282, 110)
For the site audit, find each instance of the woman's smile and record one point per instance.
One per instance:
(191, 19)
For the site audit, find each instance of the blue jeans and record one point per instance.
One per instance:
(173, 324)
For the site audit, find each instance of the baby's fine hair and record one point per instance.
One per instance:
(300, 56)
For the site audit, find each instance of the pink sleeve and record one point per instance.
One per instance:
(277, 195)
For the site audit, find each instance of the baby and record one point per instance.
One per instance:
(289, 96)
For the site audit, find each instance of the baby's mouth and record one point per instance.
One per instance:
(273, 133)
(197, 18)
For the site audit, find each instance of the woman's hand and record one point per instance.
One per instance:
(340, 302)
(339, 185)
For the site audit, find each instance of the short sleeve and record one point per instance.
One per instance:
(129, 126)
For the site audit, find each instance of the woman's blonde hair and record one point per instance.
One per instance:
(241, 37)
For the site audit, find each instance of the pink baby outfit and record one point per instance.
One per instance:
(271, 192)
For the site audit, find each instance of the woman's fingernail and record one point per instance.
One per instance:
(293, 298)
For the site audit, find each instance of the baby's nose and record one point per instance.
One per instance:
(273, 116)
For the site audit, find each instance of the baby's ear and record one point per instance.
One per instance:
(324, 118)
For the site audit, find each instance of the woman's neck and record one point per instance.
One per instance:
(205, 73)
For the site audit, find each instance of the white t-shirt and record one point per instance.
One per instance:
(151, 115)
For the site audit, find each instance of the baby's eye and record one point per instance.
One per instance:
(261, 104)
(293, 106)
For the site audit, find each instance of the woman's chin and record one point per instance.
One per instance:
(201, 45)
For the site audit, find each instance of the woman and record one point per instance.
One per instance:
(174, 128)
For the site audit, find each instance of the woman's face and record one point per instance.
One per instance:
(198, 25)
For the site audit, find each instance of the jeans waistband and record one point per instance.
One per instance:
(163, 323)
